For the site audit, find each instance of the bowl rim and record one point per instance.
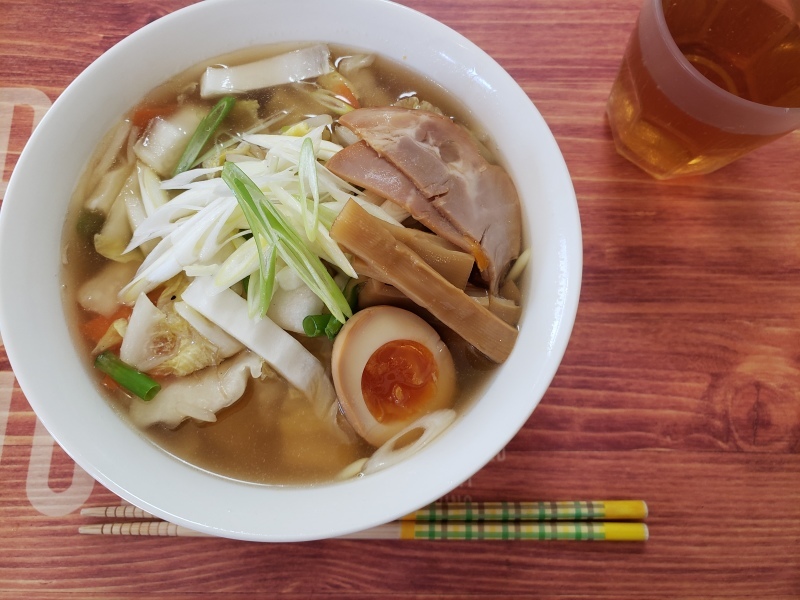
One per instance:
(233, 510)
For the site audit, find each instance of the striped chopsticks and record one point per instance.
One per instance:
(609, 520)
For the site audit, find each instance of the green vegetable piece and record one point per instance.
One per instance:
(203, 133)
(127, 376)
(317, 325)
(333, 328)
(90, 222)
(314, 325)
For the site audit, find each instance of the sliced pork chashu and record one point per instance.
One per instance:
(443, 162)
(359, 164)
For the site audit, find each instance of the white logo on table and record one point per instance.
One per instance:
(10, 98)
(37, 485)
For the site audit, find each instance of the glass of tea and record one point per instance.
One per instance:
(704, 82)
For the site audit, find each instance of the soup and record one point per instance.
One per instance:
(293, 265)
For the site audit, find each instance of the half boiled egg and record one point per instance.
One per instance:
(390, 368)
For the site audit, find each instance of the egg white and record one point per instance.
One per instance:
(359, 338)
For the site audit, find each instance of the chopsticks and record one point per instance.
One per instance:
(609, 520)
(593, 510)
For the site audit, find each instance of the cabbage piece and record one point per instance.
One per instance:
(227, 344)
(113, 239)
(131, 195)
(107, 154)
(343, 136)
(200, 395)
(165, 138)
(161, 341)
(107, 190)
(147, 341)
(297, 65)
(281, 351)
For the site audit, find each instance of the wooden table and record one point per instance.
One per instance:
(681, 383)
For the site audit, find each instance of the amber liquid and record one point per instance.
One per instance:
(750, 48)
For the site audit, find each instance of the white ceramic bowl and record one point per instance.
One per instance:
(56, 384)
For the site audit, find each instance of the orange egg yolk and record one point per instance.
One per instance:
(399, 379)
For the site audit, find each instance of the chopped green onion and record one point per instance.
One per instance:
(203, 133)
(317, 325)
(127, 376)
(333, 328)
(90, 222)
(265, 220)
(314, 325)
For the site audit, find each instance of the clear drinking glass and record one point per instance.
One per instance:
(704, 82)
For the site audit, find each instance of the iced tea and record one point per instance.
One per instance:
(741, 91)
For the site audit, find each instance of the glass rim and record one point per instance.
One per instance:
(683, 62)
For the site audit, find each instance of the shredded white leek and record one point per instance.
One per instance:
(389, 454)
(307, 176)
(284, 205)
(519, 265)
(153, 196)
(240, 264)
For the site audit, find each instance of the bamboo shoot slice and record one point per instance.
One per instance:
(394, 263)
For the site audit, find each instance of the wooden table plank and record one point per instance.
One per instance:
(705, 535)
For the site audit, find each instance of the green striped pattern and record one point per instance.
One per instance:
(511, 530)
(511, 511)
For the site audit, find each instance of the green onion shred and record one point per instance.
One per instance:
(203, 133)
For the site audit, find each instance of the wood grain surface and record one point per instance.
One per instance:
(680, 386)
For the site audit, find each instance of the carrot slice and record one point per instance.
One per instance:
(95, 328)
(142, 115)
(336, 83)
